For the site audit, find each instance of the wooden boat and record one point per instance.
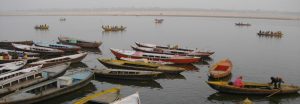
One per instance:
(147, 61)
(8, 44)
(12, 66)
(7, 57)
(102, 97)
(37, 49)
(172, 48)
(42, 27)
(140, 66)
(269, 33)
(132, 99)
(153, 56)
(20, 53)
(172, 52)
(62, 19)
(126, 74)
(71, 81)
(113, 28)
(252, 88)
(69, 58)
(81, 43)
(221, 69)
(66, 48)
(158, 20)
(242, 24)
(23, 78)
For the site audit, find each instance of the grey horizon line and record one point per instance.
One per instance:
(154, 8)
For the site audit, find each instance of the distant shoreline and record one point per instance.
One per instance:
(179, 13)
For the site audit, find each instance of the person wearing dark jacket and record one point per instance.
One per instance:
(276, 81)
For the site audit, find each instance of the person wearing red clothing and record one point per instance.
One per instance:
(239, 82)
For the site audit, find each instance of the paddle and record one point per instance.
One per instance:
(274, 93)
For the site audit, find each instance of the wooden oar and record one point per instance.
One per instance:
(274, 93)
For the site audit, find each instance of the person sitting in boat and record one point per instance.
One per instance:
(239, 82)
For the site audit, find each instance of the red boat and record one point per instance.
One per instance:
(153, 56)
(175, 49)
(171, 51)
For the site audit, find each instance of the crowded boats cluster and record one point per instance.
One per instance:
(34, 71)
(37, 78)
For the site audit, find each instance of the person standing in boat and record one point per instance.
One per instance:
(276, 81)
(279, 81)
(239, 82)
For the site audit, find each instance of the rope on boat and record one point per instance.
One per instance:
(274, 93)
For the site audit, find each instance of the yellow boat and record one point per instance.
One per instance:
(101, 97)
(140, 66)
(252, 88)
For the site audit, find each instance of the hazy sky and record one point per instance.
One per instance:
(268, 5)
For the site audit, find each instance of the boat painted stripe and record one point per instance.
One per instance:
(88, 98)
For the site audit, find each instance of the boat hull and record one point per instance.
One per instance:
(175, 60)
(221, 69)
(53, 94)
(188, 53)
(225, 88)
(82, 45)
(139, 68)
(127, 77)
(75, 60)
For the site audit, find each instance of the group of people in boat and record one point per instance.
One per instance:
(269, 33)
(159, 20)
(113, 28)
(43, 26)
(242, 24)
(13, 55)
(276, 81)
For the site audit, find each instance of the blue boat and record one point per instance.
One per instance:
(73, 80)
(66, 48)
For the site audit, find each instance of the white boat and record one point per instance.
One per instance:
(70, 58)
(23, 78)
(147, 61)
(37, 49)
(69, 82)
(132, 99)
(12, 66)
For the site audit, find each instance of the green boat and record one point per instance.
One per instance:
(140, 66)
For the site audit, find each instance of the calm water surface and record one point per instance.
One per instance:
(256, 58)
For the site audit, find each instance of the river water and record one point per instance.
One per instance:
(256, 58)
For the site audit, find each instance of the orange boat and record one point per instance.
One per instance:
(221, 69)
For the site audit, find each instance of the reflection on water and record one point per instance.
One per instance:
(205, 59)
(171, 76)
(276, 99)
(112, 32)
(227, 78)
(270, 36)
(73, 95)
(150, 83)
(78, 65)
(93, 50)
(189, 67)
